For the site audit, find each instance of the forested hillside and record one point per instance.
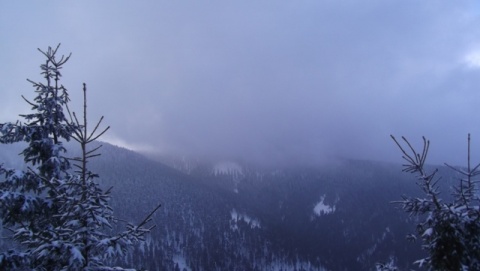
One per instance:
(228, 216)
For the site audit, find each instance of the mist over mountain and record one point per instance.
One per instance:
(228, 215)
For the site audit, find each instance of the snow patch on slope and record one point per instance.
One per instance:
(236, 217)
(181, 262)
(323, 209)
(279, 265)
(227, 168)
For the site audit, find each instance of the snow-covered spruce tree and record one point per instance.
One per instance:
(450, 231)
(57, 217)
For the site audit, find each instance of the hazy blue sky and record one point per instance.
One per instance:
(282, 81)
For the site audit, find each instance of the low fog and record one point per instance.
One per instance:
(270, 82)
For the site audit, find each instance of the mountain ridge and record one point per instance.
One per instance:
(329, 217)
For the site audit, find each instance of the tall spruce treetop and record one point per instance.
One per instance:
(58, 217)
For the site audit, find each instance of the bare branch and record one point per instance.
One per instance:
(99, 135)
(147, 219)
(25, 99)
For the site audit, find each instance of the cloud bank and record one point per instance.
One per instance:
(269, 82)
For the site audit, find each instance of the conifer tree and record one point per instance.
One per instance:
(450, 231)
(59, 218)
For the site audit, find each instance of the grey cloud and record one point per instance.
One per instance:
(278, 81)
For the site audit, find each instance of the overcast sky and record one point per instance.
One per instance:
(278, 81)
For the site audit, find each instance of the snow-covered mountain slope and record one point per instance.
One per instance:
(334, 215)
(230, 216)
